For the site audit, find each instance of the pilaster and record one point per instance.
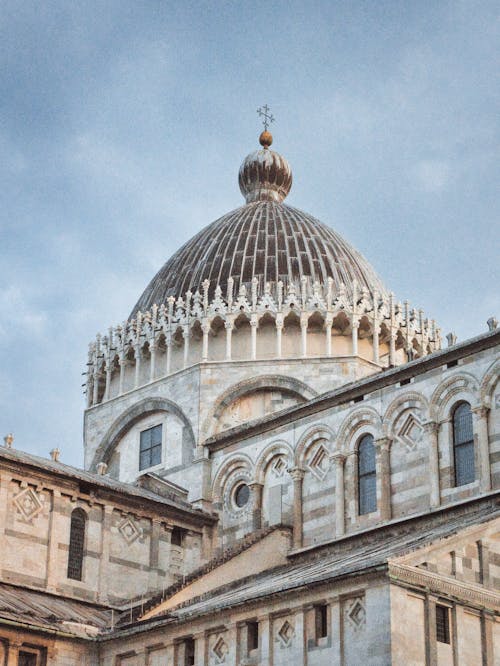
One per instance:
(383, 445)
(432, 430)
(297, 475)
(480, 414)
(339, 460)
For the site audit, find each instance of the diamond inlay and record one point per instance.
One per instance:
(279, 466)
(28, 503)
(319, 462)
(286, 633)
(219, 650)
(129, 531)
(410, 432)
(356, 613)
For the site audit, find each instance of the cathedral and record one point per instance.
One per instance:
(283, 466)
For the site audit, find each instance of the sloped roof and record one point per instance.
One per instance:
(351, 556)
(104, 482)
(51, 612)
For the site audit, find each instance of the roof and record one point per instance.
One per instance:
(104, 482)
(265, 240)
(49, 612)
(350, 556)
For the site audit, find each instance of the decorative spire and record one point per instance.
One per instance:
(266, 138)
(265, 175)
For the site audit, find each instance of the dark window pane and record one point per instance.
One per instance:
(367, 478)
(76, 544)
(464, 464)
(463, 444)
(442, 624)
(150, 447)
(242, 495)
(253, 635)
(321, 621)
(156, 455)
(462, 424)
(27, 659)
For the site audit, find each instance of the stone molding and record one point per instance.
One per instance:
(438, 584)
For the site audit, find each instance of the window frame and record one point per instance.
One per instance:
(159, 446)
(363, 508)
(443, 631)
(458, 447)
(74, 571)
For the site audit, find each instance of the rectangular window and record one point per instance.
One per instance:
(189, 652)
(442, 624)
(150, 447)
(252, 636)
(28, 659)
(321, 621)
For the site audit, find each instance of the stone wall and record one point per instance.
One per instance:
(127, 548)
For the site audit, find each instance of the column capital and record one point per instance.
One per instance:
(431, 427)
(338, 458)
(383, 442)
(297, 473)
(480, 411)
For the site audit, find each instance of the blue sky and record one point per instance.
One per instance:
(123, 124)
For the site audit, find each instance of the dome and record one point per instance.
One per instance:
(265, 241)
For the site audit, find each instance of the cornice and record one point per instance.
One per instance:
(468, 593)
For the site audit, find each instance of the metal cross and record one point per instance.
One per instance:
(263, 112)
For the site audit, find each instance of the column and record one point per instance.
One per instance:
(154, 551)
(95, 388)
(53, 564)
(376, 357)
(392, 348)
(264, 640)
(152, 360)
(384, 473)
(257, 492)
(109, 368)
(200, 650)
(253, 325)
(339, 460)
(185, 334)
(481, 437)
(298, 653)
(123, 362)
(5, 480)
(303, 330)
(168, 342)
(229, 331)
(335, 632)
(355, 326)
(430, 631)
(107, 513)
(432, 430)
(205, 327)
(487, 624)
(137, 364)
(279, 331)
(328, 337)
(297, 475)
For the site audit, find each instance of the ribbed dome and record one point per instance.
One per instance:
(267, 240)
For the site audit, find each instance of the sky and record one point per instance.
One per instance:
(123, 125)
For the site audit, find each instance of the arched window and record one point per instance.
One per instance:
(463, 444)
(76, 544)
(367, 476)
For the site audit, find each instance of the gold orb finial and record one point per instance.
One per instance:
(266, 139)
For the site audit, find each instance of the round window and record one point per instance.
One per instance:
(241, 495)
